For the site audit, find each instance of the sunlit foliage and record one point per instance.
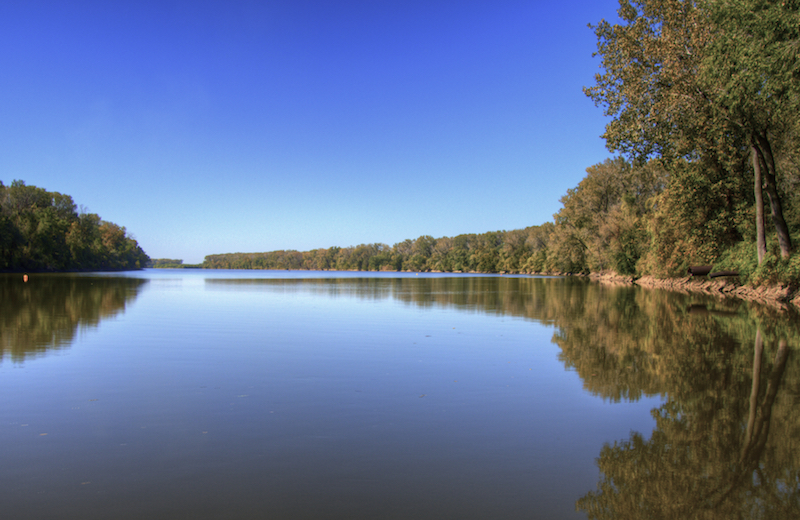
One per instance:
(42, 231)
(517, 251)
(714, 83)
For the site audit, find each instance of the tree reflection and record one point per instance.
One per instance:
(725, 443)
(46, 312)
(541, 299)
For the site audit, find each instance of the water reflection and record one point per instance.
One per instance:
(726, 439)
(46, 312)
(515, 296)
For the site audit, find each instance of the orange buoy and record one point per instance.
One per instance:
(24, 277)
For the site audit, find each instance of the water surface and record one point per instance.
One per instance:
(258, 394)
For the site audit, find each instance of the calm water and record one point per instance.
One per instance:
(170, 394)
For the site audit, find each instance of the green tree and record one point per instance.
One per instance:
(751, 77)
(40, 230)
(537, 243)
(601, 224)
(702, 211)
(715, 80)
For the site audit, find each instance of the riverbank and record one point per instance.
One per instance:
(725, 287)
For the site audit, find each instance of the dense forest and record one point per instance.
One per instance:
(703, 99)
(42, 231)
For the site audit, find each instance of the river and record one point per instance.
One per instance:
(211, 394)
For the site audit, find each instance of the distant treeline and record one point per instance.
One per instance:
(165, 262)
(508, 251)
(597, 229)
(42, 231)
(488, 252)
(623, 218)
(170, 263)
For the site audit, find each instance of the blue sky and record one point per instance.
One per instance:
(242, 126)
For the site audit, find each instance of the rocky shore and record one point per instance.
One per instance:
(724, 287)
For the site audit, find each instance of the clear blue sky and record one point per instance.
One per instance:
(243, 126)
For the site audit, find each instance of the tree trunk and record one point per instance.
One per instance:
(758, 433)
(761, 430)
(761, 240)
(784, 240)
(751, 419)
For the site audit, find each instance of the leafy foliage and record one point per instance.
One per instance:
(42, 231)
(708, 82)
(699, 215)
(517, 251)
(601, 225)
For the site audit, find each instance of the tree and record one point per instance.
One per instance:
(648, 84)
(715, 80)
(601, 225)
(40, 230)
(751, 75)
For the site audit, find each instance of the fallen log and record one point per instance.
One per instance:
(723, 273)
(699, 270)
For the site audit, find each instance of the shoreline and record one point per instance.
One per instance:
(783, 296)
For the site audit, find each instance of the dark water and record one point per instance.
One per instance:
(171, 394)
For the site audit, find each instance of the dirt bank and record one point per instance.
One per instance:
(725, 287)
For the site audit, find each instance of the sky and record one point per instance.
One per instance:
(210, 127)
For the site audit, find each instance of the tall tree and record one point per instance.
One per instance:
(648, 84)
(708, 80)
(751, 77)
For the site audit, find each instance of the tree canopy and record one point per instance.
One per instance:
(42, 231)
(711, 82)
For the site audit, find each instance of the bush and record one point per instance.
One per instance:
(774, 270)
